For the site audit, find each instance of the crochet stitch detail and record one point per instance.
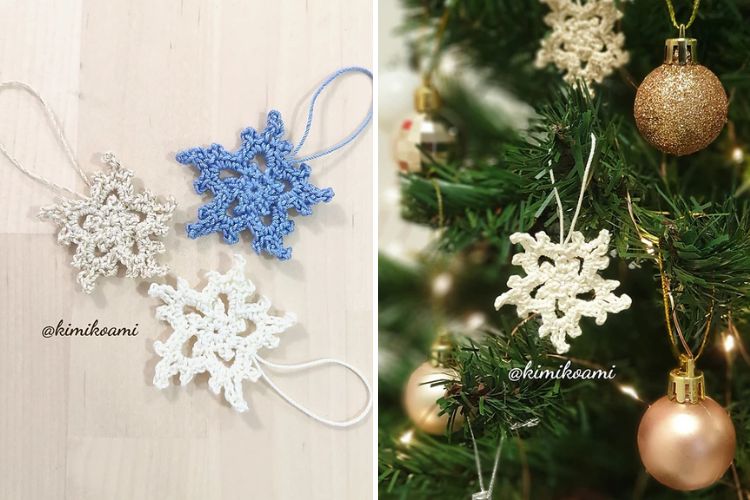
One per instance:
(583, 43)
(562, 284)
(223, 341)
(114, 226)
(245, 196)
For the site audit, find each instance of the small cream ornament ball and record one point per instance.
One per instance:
(421, 396)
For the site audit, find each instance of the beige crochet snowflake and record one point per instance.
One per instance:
(218, 330)
(113, 227)
(562, 284)
(583, 43)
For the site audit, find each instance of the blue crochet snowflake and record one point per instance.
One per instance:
(250, 196)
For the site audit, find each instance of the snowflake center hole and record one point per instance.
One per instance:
(249, 329)
(287, 185)
(266, 220)
(260, 162)
(232, 208)
(188, 309)
(188, 346)
(558, 312)
(228, 173)
(225, 302)
(543, 259)
(111, 198)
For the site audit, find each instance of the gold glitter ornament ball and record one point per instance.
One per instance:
(681, 106)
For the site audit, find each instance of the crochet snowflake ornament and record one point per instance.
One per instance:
(562, 284)
(583, 43)
(113, 227)
(248, 196)
(225, 338)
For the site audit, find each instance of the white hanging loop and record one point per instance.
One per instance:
(59, 134)
(311, 364)
(584, 182)
(485, 494)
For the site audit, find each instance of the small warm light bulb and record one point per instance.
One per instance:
(738, 156)
(729, 343)
(406, 437)
(649, 246)
(630, 391)
(395, 250)
(475, 320)
(442, 284)
(392, 196)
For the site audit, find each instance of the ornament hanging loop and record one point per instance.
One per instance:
(485, 494)
(673, 18)
(311, 110)
(59, 135)
(584, 182)
(311, 364)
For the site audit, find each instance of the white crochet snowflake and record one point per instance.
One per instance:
(583, 43)
(114, 226)
(562, 284)
(218, 330)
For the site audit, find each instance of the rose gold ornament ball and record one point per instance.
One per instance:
(420, 399)
(686, 446)
(680, 109)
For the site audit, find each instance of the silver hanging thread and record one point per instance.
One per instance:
(485, 494)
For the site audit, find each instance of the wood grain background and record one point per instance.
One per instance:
(79, 418)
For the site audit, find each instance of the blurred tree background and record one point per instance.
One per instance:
(564, 439)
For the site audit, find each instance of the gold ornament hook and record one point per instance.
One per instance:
(426, 98)
(441, 353)
(686, 384)
(681, 51)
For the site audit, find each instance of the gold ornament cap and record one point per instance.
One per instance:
(686, 384)
(681, 50)
(441, 353)
(426, 99)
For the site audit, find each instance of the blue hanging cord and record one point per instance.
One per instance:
(360, 128)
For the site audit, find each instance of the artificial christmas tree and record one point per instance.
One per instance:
(678, 232)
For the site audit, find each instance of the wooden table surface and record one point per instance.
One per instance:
(79, 418)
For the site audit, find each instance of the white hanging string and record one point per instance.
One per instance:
(560, 212)
(478, 461)
(60, 135)
(584, 182)
(311, 364)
